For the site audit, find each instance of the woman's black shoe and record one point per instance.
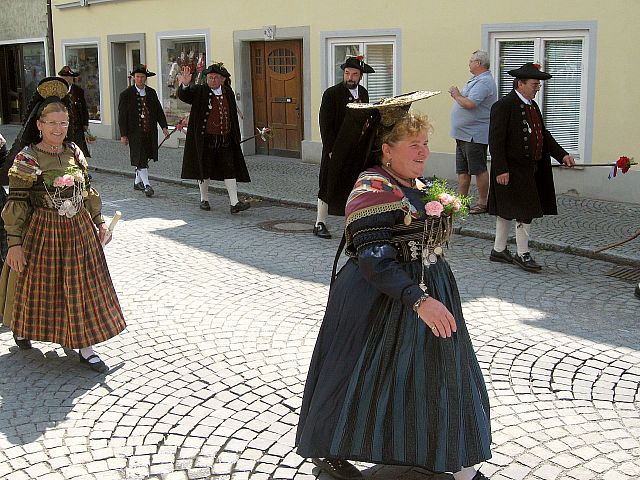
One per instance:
(98, 366)
(23, 343)
(340, 469)
(241, 206)
(204, 205)
(321, 230)
(479, 476)
(138, 186)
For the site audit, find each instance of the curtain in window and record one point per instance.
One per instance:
(379, 84)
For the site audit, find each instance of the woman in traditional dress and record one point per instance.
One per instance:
(394, 378)
(55, 284)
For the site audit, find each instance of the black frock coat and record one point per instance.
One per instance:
(529, 194)
(78, 118)
(129, 110)
(332, 112)
(195, 154)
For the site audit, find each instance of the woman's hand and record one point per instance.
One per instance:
(437, 317)
(104, 234)
(15, 258)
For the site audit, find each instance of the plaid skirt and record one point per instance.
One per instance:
(65, 294)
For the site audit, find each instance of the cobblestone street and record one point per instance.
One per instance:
(223, 311)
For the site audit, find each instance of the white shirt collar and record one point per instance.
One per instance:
(525, 100)
(354, 92)
(141, 91)
(217, 91)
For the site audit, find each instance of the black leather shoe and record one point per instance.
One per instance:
(98, 366)
(204, 205)
(138, 186)
(148, 191)
(321, 230)
(479, 476)
(502, 257)
(337, 468)
(637, 292)
(241, 206)
(526, 262)
(23, 343)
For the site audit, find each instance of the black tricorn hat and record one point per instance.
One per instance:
(67, 72)
(217, 68)
(142, 69)
(529, 70)
(357, 62)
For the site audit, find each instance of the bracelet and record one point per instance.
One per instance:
(419, 302)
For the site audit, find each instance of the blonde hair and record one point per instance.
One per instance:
(408, 126)
(52, 107)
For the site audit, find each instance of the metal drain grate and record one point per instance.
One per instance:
(287, 226)
(628, 274)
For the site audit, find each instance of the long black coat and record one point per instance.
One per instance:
(129, 111)
(195, 147)
(78, 118)
(528, 195)
(332, 112)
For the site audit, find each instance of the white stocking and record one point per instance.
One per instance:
(502, 234)
(137, 180)
(87, 352)
(144, 175)
(323, 212)
(204, 190)
(522, 237)
(467, 473)
(232, 190)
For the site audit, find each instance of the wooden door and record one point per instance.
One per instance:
(13, 84)
(276, 77)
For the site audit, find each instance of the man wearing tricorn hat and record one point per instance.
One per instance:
(212, 149)
(139, 110)
(521, 183)
(332, 112)
(79, 113)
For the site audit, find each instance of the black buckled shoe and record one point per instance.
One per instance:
(321, 230)
(22, 343)
(204, 205)
(502, 257)
(526, 262)
(337, 468)
(241, 206)
(148, 191)
(98, 366)
(138, 186)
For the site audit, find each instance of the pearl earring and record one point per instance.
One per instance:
(388, 164)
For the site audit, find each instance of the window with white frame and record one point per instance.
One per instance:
(84, 59)
(176, 53)
(379, 52)
(562, 99)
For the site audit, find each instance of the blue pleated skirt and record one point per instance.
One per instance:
(383, 389)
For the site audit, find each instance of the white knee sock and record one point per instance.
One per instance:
(466, 473)
(502, 234)
(323, 212)
(137, 180)
(232, 190)
(86, 352)
(204, 190)
(144, 175)
(522, 237)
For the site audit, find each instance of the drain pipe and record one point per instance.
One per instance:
(51, 67)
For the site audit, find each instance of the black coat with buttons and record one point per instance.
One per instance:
(195, 155)
(530, 192)
(129, 110)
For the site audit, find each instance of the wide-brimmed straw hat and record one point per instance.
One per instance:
(393, 109)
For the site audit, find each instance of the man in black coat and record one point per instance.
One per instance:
(139, 110)
(521, 181)
(212, 149)
(332, 112)
(79, 113)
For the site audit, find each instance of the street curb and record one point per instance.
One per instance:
(465, 232)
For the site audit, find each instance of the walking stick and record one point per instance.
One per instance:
(617, 244)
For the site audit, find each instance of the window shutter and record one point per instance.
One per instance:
(379, 84)
(513, 54)
(561, 105)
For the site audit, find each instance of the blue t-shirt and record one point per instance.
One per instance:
(473, 124)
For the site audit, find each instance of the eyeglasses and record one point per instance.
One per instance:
(51, 123)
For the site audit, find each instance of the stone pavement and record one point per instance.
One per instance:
(223, 312)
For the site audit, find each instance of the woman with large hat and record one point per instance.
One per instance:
(79, 113)
(393, 377)
(55, 285)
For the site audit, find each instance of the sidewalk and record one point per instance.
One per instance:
(582, 226)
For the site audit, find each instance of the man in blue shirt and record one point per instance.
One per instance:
(470, 128)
